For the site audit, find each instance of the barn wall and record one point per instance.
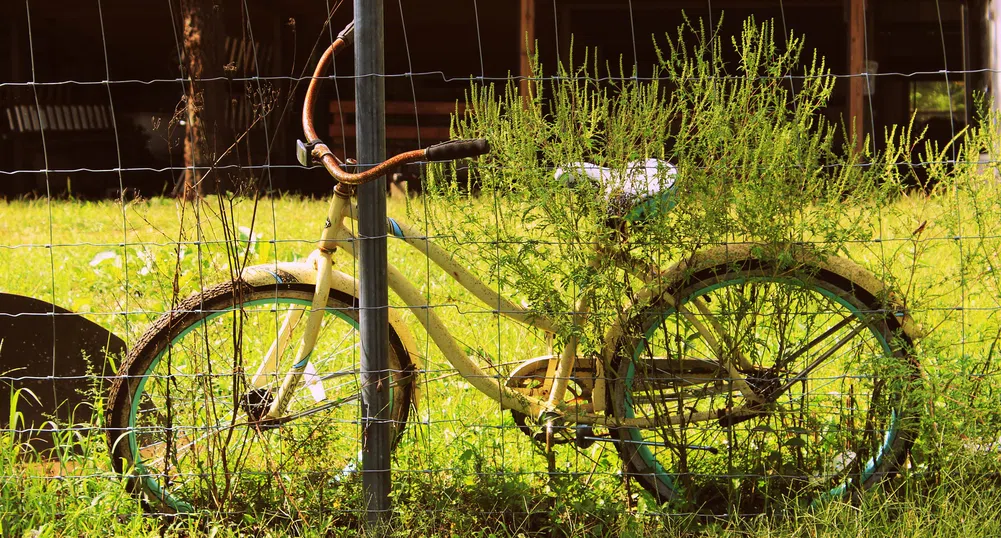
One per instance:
(441, 45)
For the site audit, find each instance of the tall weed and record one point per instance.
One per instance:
(756, 162)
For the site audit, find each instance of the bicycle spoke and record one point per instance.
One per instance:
(823, 357)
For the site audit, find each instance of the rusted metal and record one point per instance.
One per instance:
(322, 153)
(344, 190)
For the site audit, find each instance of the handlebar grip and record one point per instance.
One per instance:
(457, 149)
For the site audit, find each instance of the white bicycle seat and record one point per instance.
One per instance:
(628, 191)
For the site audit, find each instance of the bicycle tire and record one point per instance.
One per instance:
(805, 445)
(180, 425)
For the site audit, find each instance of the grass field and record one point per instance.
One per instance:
(463, 467)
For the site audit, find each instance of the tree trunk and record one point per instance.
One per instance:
(206, 132)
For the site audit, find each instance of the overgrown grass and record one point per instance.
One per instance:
(463, 466)
(755, 165)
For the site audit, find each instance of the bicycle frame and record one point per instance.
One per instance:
(336, 234)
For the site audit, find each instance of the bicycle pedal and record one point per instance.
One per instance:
(540, 437)
(552, 426)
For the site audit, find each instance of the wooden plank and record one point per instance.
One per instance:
(58, 121)
(45, 122)
(430, 108)
(20, 123)
(87, 118)
(105, 115)
(35, 118)
(660, 5)
(78, 123)
(93, 117)
(426, 134)
(526, 38)
(66, 112)
(856, 61)
(23, 120)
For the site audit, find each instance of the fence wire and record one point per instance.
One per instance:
(156, 235)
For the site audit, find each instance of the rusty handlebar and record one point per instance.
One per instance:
(319, 152)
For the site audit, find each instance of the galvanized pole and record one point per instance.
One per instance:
(370, 121)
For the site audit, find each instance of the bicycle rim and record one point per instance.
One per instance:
(193, 442)
(836, 425)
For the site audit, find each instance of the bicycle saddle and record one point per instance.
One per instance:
(641, 190)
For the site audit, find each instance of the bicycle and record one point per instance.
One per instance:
(739, 377)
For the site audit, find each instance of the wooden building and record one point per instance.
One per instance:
(100, 136)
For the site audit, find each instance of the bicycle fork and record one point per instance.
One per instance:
(313, 322)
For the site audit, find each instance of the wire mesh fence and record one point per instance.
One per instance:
(719, 261)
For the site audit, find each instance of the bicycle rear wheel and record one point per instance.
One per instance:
(834, 363)
(184, 417)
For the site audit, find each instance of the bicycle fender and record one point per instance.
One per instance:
(305, 273)
(735, 253)
(805, 256)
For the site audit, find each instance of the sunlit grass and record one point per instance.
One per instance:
(463, 465)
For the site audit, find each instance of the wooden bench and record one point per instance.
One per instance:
(423, 121)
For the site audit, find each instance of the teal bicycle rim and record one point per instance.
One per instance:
(667, 478)
(149, 480)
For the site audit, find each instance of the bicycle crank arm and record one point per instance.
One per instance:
(740, 414)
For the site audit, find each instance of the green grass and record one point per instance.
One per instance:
(457, 434)
(462, 467)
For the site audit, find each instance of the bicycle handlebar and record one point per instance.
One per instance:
(446, 151)
(457, 149)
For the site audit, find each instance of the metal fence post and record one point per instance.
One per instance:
(370, 120)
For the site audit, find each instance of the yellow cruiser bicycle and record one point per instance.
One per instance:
(735, 378)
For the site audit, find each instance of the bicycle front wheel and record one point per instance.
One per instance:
(185, 418)
(768, 381)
